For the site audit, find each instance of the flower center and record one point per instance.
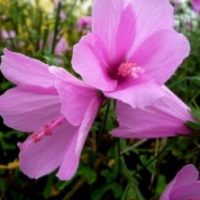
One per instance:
(130, 69)
(38, 135)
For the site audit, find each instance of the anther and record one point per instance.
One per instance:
(130, 69)
(47, 130)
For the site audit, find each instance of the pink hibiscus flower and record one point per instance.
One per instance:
(34, 106)
(131, 51)
(185, 185)
(164, 118)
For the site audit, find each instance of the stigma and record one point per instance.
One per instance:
(130, 69)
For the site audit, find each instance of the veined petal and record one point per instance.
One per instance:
(74, 94)
(23, 70)
(150, 17)
(61, 148)
(43, 157)
(114, 23)
(27, 108)
(161, 54)
(165, 117)
(91, 62)
(71, 160)
(139, 96)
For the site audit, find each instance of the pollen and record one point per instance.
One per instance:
(37, 136)
(130, 69)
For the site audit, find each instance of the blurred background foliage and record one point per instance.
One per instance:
(110, 168)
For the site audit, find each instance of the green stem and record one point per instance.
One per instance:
(101, 131)
(39, 28)
(134, 146)
(104, 123)
(56, 27)
(155, 158)
(126, 172)
(45, 37)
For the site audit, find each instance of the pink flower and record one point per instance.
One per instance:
(164, 118)
(61, 46)
(131, 51)
(34, 106)
(196, 5)
(84, 24)
(185, 185)
(7, 34)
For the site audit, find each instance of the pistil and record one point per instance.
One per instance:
(39, 135)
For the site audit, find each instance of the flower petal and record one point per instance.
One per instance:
(91, 62)
(114, 23)
(187, 192)
(74, 94)
(28, 108)
(61, 46)
(71, 160)
(187, 175)
(139, 96)
(150, 17)
(165, 117)
(184, 179)
(23, 70)
(196, 5)
(45, 156)
(161, 54)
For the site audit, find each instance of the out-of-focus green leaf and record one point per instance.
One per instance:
(160, 184)
(114, 187)
(48, 187)
(195, 113)
(132, 193)
(88, 173)
(195, 126)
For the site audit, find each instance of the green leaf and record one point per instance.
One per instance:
(132, 193)
(195, 126)
(144, 161)
(108, 175)
(196, 79)
(195, 113)
(98, 194)
(88, 173)
(49, 185)
(161, 184)
(62, 184)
